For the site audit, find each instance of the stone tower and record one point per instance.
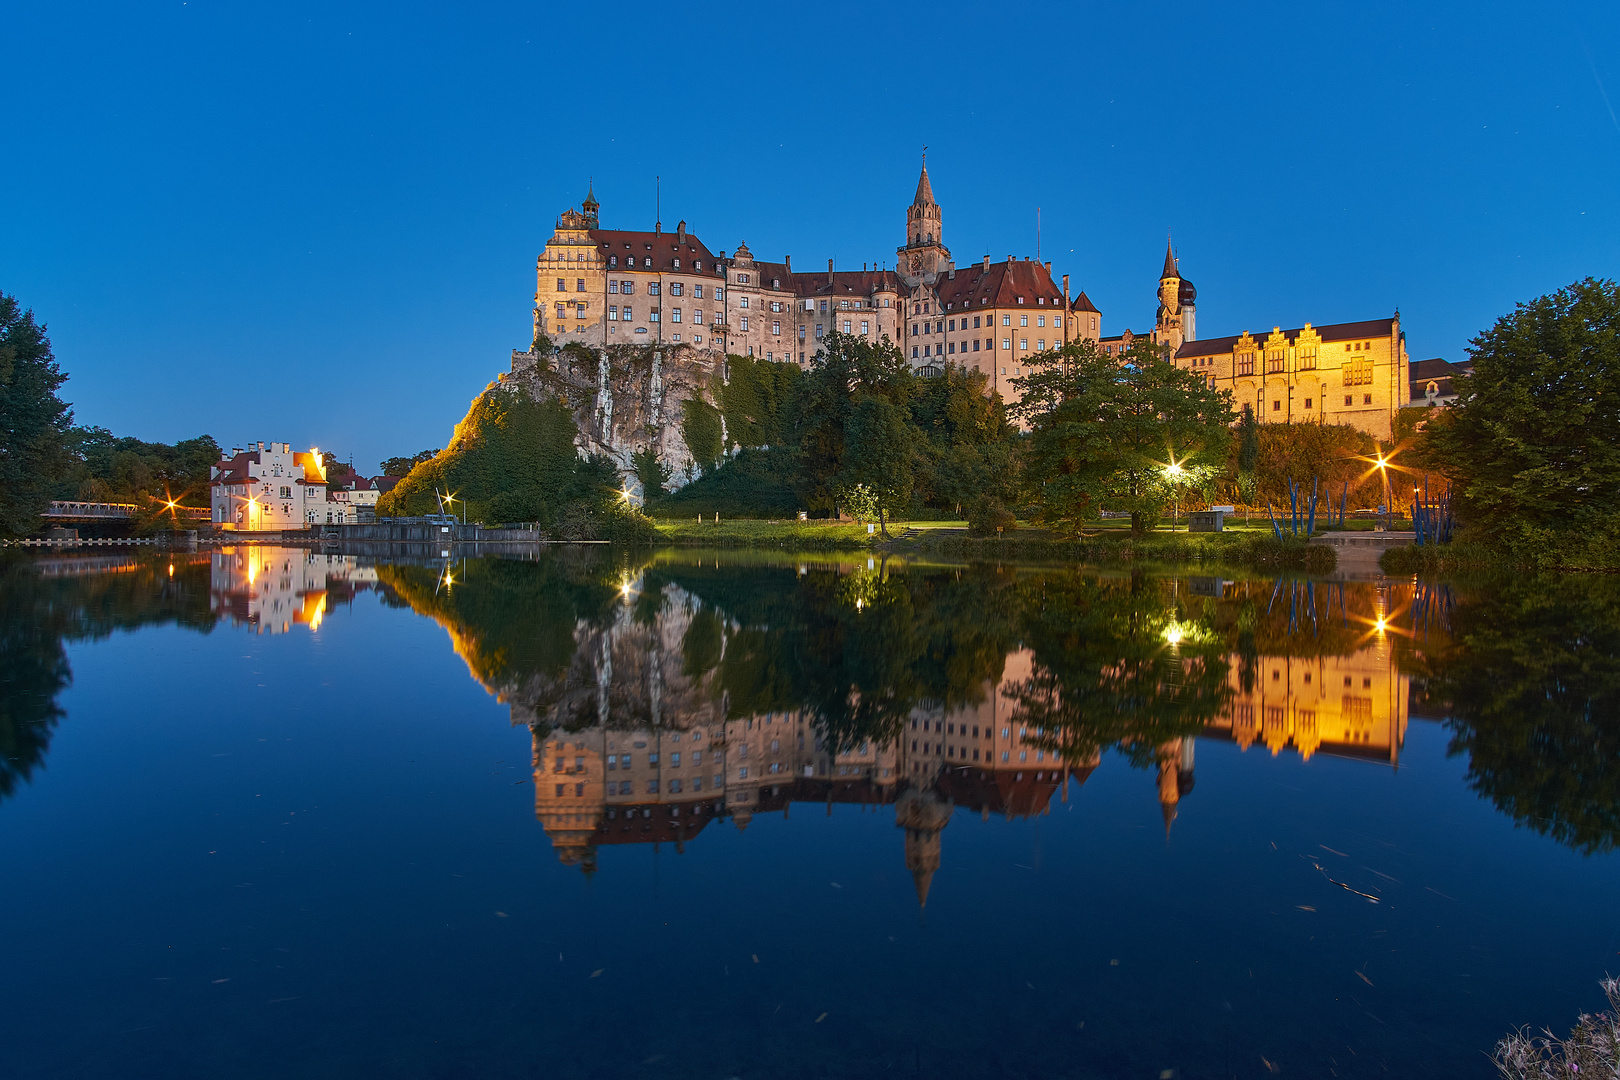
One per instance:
(590, 206)
(924, 256)
(1174, 326)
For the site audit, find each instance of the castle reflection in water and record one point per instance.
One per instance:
(662, 758)
(649, 723)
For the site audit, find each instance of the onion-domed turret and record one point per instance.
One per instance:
(1189, 295)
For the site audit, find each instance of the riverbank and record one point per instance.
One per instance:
(1251, 548)
(1476, 557)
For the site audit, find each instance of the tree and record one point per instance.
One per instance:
(651, 471)
(878, 446)
(1248, 456)
(1533, 442)
(1105, 432)
(33, 420)
(848, 368)
(402, 466)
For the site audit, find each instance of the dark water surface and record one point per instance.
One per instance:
(273, 814)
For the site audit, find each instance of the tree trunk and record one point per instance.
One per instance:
(883, 526)
(1137, 526)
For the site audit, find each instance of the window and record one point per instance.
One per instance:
(675, 761)
(1307, 358)
(562, 285)
(652, 787)
(613, 313)
(613, 260)
(1366, 399)
(846, 326)
(697, 316)
(866, 327)
(976, 322)
(625, 315)
(1023, 320)
(675, 315)
(1276, 406)
(843, 305)
(914, 353)
(1006, 320)
(560, 312)
(743, 302)
(1006, 343)
(1245, 363)
(613, 286)
(677, 264)
(1307, 405)
(776, 327)
(975, 344)
(653, 315)
(652, 288)
(697, 292)
(627, 287)
(1274, 360)
(719, 293)
(579, 285)
(776, 305)
(1040, 320)
(1348, 401)
(745, 324)
(743, 278)
(675, 288)
(624, 761)
(742, 773)
(818, 330)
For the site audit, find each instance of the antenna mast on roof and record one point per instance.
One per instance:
(658, 204)
(1037, 234)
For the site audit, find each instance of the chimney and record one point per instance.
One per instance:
(1049, 268)
(987, 264)
(829, 272)
(680, 233)
(952, 273)
(788, 259)
(1065, 287)
(658, 228)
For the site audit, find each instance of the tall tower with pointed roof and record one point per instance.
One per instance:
(1174, 325)
(590, 205)
(924, 256)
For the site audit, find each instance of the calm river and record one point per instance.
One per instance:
(268, 813)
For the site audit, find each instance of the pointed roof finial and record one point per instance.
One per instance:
(925, 190)
(1169, 258)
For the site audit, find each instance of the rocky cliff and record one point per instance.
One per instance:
(624, 400)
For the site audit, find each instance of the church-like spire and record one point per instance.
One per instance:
(1170, 262)
(925, 190)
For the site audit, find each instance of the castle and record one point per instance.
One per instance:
(601, 287)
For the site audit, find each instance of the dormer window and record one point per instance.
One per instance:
(1020, 299)
(776, 283)
(677, 264)
(697, 264)
(613, 260)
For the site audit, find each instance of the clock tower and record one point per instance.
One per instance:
(923, 258)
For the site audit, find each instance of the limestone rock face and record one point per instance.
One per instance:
(624, 399)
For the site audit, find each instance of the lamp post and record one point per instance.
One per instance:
(1383, 472)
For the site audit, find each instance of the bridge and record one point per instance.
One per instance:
(67, 511)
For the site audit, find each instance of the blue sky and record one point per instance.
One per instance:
(318, 223)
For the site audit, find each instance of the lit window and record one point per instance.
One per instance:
(1006, 320)
(1006, 343)
(613, 286)
(675, 315)
(580, 286)
(613, 313)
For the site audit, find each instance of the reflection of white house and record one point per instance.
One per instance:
(273, 589)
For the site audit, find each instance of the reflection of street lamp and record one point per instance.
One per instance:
(1172, 472)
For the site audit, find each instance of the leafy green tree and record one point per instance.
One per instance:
(103, 467)
(33, 420)
(1248, 455)
(1105, 431)
(850, 369)
(1335, 454)
(402, 466)
(651, 471)
(1533, 441)
(878, 446)
(756, 398)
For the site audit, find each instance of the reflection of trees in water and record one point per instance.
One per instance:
(1117, 662)
(45, 603)
(858, 648)
(1533, 678)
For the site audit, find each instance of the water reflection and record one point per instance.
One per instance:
(666, 694)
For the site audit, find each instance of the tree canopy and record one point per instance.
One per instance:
(1118, 432)
(1533, 441)
(34, 422)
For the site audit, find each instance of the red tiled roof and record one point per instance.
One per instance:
(1083, 303)
(1350, 331)
(846, 283)
(999, 286)
(662, 247)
